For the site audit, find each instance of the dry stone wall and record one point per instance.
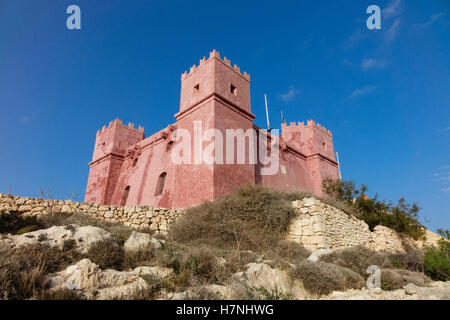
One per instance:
(317, 225)
(136, 217)
(322, 226)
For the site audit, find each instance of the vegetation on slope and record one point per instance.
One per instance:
(214, 241)
(402, 217)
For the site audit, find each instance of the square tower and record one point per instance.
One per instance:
(214, 96)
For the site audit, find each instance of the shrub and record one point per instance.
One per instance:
(23, 272)
(437, 260)
(290, 251)
(402, 217)
(107, 255)
(134, 259)
(193, 266)
(254, 217)
(322, 278)
(14, 222)
(392, 279)
(358, 259)
(412, 260)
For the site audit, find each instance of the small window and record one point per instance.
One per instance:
(233, 90)
(160, 185)
(197, 88)
(125, 196)
(169, 146)
(323, 145)
(135, 162)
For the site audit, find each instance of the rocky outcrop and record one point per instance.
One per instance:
(141, 241)
(90, 282)
(434, 291)
(82, 237)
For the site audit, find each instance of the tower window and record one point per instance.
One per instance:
(197, 88)
(135, 162)
(160, 185)
(323, 145)
(169, 146)
(125, 196)
(233, 90)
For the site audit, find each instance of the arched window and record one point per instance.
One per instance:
(125, 196)
(160, 185)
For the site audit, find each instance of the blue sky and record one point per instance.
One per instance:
(385, 94)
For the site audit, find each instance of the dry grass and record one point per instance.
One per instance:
(357, 259)
(412, 260)
(254, 218)
(23, 272)
(322, 278)
(107, 255)
(392, 279)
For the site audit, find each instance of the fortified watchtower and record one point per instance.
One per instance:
(214, 95)
(316, 143)
(110, 149)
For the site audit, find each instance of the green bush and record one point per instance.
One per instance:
(437, 260)
(402, 217)
(13, 223)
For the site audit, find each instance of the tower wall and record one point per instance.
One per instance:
(316, 143)
(217, 95)
(110, 148)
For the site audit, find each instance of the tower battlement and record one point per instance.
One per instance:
(215, 55)
(309, 123)
(117, 123)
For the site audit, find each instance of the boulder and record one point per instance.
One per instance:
(90, 281)
(315, 256)
(260, 277)
(84, 236)
(141, 241)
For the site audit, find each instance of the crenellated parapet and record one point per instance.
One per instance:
(215, 55)
(117, 123)
(301, 125)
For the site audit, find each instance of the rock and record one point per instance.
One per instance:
(411, 288)
(157, 272)
(261, 276)
(82, 276)
(221, 292)
(93, 283)
(315, 256)
(84, 236)
(141, 241)
(308, 202)
(435, 291)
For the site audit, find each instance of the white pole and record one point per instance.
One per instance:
(339, 165)
(267, 113)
